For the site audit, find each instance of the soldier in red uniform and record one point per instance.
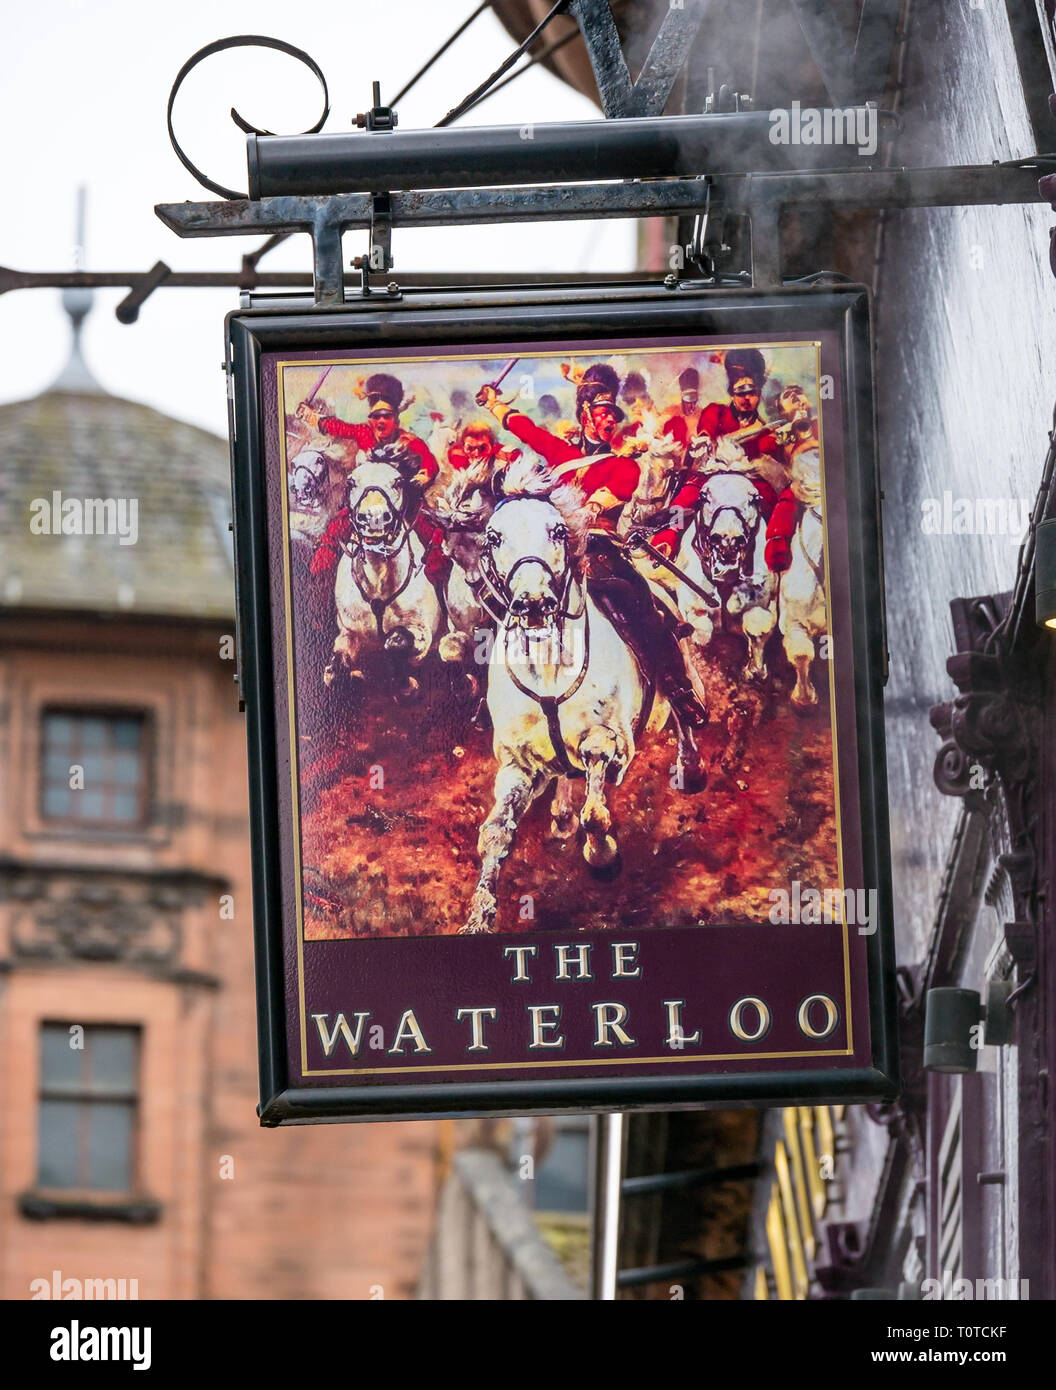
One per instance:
(745, 375)
(381, 428)
(799, 432)
(477, 447)
(607, 481)
(384, 395)
(679, 419)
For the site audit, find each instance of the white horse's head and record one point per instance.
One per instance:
(376, 501)
(532, 544)
(727, 523)
(309, 475)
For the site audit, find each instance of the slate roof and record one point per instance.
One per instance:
(84, 443)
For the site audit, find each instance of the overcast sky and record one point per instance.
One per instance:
(83, 98)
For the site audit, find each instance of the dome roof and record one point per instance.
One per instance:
(163, 486)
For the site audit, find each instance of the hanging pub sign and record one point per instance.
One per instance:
(562, 648)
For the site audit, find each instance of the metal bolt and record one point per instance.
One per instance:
(361, 119)
(670, 282)
(393, 287)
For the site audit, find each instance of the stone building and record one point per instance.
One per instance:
(130, 1148)
(955, 1183)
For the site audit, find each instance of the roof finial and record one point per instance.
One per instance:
(75, 376)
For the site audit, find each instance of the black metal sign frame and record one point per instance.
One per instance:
(534, 315)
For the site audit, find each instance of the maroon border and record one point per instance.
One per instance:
(435, 975)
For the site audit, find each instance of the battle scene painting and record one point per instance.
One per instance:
(559, 635)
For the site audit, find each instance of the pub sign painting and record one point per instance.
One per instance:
(562, 657)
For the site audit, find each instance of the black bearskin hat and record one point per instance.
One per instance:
(383, 387)
(743, 362)
(549, 408)
(600, 383)
(689, 380)
(633, 386)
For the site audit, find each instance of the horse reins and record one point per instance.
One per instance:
(378, 605)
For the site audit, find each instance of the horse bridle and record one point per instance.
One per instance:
(751, 533)
(361, 547)
(499, 586)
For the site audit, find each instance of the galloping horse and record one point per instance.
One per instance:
(461, 512)
(384, 599)
(801, 596)
(722, 550)
(565, 695)
(316, 490)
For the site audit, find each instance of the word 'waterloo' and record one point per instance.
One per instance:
(749, 1018)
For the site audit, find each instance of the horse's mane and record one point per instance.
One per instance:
(728, 451)
(525, 477)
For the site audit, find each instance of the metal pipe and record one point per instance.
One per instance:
(568, 152)
(692, 1177)
(608, 1135)
(679, 1269)
(966, 185)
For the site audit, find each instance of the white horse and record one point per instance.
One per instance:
(462, 511)
(656, 466)
(722, 552)
(801, 596)
(442, 435)
(317, 484)
(564, 691)
(384, 600)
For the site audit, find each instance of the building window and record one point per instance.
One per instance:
(88, 1104)
(95, 767)
(559, 1146)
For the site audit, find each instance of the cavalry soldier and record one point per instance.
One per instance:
(382, 429)
(385, 400)
(678, 418)
(745, 376)
(607, 481)
(476, 447)
(800, 438)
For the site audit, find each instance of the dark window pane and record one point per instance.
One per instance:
(93, 731)
(57, 801)
(125, 768)
(110, 1146)
(58, 1143)
(60, 1064)
(58, 728)
(126, 807)
(94, 765)
(113, 1059)
(561, 1181)
(127, 733)
(89, 805)
(57, 767)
